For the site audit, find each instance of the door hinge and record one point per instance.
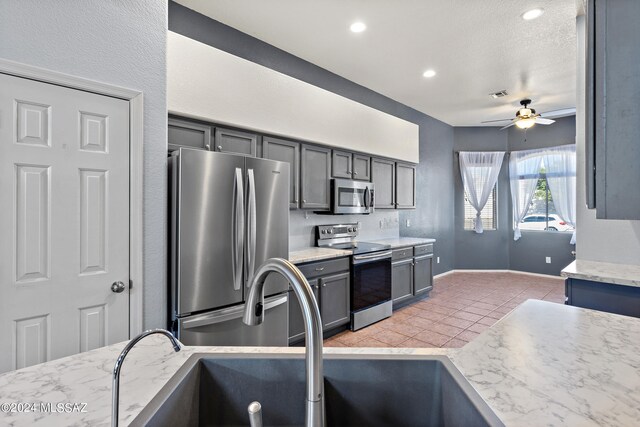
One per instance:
(130, 284)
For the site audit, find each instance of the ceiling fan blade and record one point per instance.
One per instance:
(508, 126)
(560, 113)
(543, 121)
(493, 121)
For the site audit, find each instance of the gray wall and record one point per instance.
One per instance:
(121, 43)
(436, 138)
(433, 216)
(497, 249)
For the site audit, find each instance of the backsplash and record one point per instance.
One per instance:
(378, 225)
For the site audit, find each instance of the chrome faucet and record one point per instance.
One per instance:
(253, 315)
(115, 391)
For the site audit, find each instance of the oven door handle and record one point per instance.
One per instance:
(359, 259)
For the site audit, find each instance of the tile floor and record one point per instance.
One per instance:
(460, 307)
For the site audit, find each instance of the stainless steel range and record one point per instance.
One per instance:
(370, 273)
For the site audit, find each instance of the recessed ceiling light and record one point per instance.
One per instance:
(358, 27)
(429, 73)
(532, 14)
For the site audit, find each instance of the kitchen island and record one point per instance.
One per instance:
(543, 364)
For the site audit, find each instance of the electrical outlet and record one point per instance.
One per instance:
(408, 222)
(438, 260)
(548, 259)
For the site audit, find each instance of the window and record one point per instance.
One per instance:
(541, 214)
(488, 214)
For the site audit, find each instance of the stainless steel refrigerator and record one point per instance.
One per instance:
(229, 213)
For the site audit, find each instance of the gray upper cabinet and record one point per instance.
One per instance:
(341, 164)
(335, 294)
(612, 88)
(236, 142)
(183, 133)
(383, 176)
(361, 167)
(405, 186)
(315, 176)
(351, 166)
(285, 151)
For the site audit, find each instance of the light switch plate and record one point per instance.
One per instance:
(548, 260)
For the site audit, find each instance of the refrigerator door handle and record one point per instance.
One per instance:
(230, 313)
(237, 231)
(251, 227)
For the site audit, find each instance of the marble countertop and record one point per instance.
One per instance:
(543, 364)
(316, 254)
(400, 242)
(618, 274)
(319, 254)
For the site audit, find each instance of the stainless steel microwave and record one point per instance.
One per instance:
(351, 197)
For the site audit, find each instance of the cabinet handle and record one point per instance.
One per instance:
(304, 200)
(319, 268)
(324, 285)
(355, 173)
(219, 147)
(316, 286)
(296, 200)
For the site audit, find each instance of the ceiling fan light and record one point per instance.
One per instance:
(526, 123)
(524, 112)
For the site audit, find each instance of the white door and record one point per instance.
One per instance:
(64, 221)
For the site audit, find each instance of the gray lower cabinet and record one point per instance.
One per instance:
(361, 167)
(331, 284)
(405, 186)
(341, 164)
(334, 300)
(401, 280)
(182, 133)
(236, 142)
(383, 176)
(289, 152)
(315, 176)
(296, 321)
(618, 299)
(422, 274)
(612, 89)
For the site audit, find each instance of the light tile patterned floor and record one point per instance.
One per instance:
(460, 306)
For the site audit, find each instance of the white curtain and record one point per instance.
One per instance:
(479, 172)
(524, 171)
(560, 165)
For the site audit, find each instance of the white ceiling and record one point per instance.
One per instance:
(476, 47)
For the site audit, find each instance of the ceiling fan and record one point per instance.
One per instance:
(527, 117)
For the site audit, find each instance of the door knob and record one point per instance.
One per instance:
(117, 287)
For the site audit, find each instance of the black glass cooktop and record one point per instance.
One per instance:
(361, 247)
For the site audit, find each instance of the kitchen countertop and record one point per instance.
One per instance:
(543, 364)
(400, 242)
(316, 254)
(319, 254)
(618, 274)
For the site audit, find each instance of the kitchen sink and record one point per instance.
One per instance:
(215, 390)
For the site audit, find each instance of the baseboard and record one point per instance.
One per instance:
(458, 270)
(537, 274)
(446, 273)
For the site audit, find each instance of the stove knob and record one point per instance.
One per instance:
(330, 231)
(350, 230)
(355, 228)
(324, 231)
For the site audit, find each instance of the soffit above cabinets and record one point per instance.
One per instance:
(476, 48)
(226, 89)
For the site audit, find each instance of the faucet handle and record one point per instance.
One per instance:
(255, 414)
